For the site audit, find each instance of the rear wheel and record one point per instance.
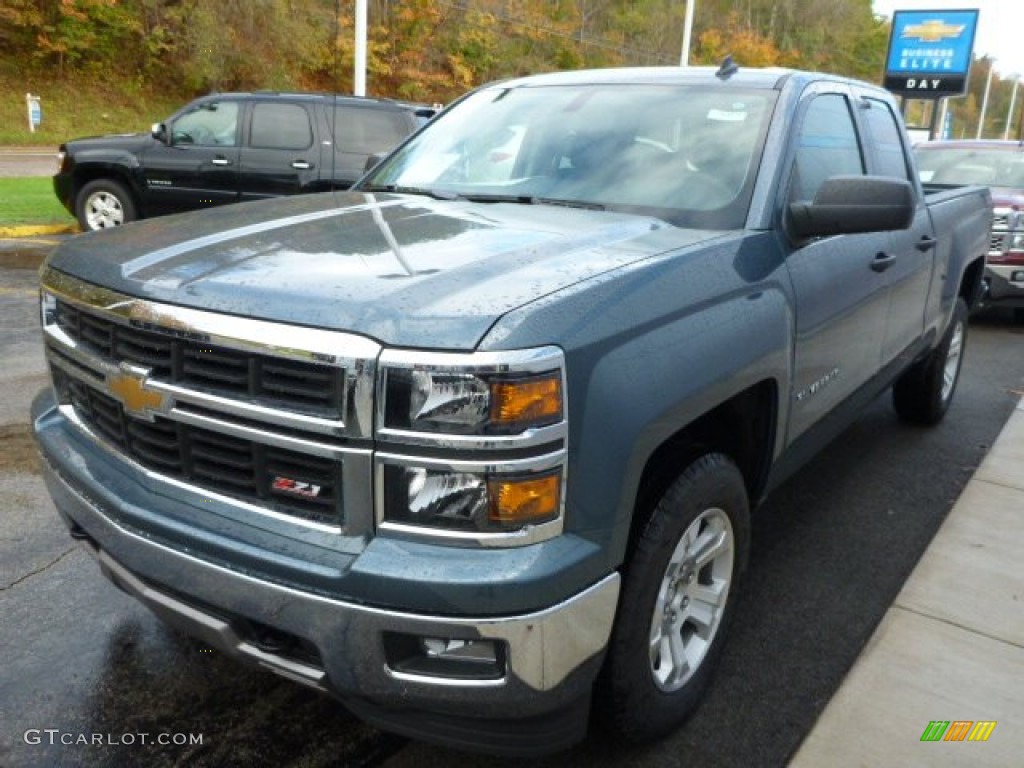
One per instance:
(102, 204)
(677, 598)
(923, 393)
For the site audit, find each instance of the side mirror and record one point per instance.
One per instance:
(847, 205)
(159, 132)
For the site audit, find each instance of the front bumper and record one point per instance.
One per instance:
(536, 702)
(1004, 285)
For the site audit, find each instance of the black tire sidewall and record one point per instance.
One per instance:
(629, 701)
(917, 394)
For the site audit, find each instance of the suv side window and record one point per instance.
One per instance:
(280, 126)
(885, 131)
(826, 146)
(365, 131)
(211, 124)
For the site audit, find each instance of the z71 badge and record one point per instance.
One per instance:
(295, 487)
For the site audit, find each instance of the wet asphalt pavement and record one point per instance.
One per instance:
(90, 678)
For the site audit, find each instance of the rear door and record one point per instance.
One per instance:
(912, 251)
(841, 297)
(198, 165)
(280, 155)
(361, 131)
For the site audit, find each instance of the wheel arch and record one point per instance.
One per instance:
(971, 283)
(742, 427)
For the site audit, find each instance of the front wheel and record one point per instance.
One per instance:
(102, 204)
(923, 393)
(677, 598)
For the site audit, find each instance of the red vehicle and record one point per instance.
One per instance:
(998, 165)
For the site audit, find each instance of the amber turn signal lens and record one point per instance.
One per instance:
(533, 401)
(523, 500)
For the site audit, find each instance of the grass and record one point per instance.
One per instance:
(30, 201)
(78, 107)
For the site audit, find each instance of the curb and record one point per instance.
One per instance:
(34, 230)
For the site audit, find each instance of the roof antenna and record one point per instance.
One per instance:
(727, 68)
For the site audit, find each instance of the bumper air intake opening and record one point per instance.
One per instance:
(445, 657)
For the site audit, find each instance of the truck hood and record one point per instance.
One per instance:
(403, 270)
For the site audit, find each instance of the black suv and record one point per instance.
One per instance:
(227, 148)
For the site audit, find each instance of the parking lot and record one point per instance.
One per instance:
(830, 551)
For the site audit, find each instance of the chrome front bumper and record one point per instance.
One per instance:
(550, 657)
(1003, 289)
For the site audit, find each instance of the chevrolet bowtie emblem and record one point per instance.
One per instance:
(128, 385)
(933, 31)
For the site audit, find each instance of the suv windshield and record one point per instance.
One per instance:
(957, 166)
(686, 154)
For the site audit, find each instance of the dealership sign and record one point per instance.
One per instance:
(930, 52)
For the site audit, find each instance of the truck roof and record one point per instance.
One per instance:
(771, 78)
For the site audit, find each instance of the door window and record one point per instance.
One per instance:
(826, 146)
(280, 126)
(212, 124)
(368, 131)
(886, 135)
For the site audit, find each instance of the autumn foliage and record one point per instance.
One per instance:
(428, 50)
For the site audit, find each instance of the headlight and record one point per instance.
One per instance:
(469, 501)
(440, 398)
(473, 445)
(61, 157)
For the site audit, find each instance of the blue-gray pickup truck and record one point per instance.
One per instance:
(474, 445)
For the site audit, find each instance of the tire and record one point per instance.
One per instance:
(674, 609)
(922, 394)
(104, 203)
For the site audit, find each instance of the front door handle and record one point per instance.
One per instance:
(302, 165)
(883, 261)
(926, 243)
(220, 161)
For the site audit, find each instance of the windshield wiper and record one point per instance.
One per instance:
(531, 200)
(437, 194)
(481, 197)
(567, 203)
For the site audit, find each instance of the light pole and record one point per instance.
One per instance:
(684, 59)
(359, 75)
(1009, 113)
(984, 100)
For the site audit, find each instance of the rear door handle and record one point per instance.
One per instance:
(220, 161)
(302, 165)
(882, 262)
(926, 243)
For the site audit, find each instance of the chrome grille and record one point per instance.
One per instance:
(240, 468)
(296, 385)
(275, 416)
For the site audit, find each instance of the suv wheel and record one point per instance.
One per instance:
(104, 203)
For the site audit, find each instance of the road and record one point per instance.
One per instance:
(28, 161)
(830, 551)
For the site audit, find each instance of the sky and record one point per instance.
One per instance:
(1000, 32)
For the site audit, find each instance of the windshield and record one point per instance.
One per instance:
(686, 154)
(960, 166)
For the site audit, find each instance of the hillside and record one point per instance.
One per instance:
(78, 107)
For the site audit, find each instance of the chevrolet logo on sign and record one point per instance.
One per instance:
(933, 31)
(128, 386)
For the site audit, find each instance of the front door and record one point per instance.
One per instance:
(197, 165)
(841, 295)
